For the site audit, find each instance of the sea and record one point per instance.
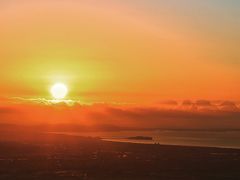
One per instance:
(199, 138)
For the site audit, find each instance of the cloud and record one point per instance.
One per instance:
(172, 118)
(229, 106)
(7, 110)
(9, 114)
(44, 101)
(169, 102)
(161, 114)
(202, 114)
(203, 103)
(206, 105)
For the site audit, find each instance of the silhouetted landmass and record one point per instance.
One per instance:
(26, 156)
(141, 138)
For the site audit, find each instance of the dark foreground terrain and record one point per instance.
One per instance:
(50, 157)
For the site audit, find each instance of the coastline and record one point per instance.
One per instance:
(166, 144)
(155, 140)
(60, 157)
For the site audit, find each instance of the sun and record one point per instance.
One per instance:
(59, 91)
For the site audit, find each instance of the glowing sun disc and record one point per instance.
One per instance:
(59, 91)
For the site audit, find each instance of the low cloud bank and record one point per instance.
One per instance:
(200, 114)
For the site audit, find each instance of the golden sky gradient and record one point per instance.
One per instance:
(109, 48)
(120, 52)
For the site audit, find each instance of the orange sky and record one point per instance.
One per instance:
(120, 52)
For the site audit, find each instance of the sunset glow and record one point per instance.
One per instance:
(59, 91)
(120, 89)
(122, 63)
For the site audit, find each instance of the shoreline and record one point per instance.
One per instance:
(132, 141)
(179, 145)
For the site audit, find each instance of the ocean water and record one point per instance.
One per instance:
(226, 138)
